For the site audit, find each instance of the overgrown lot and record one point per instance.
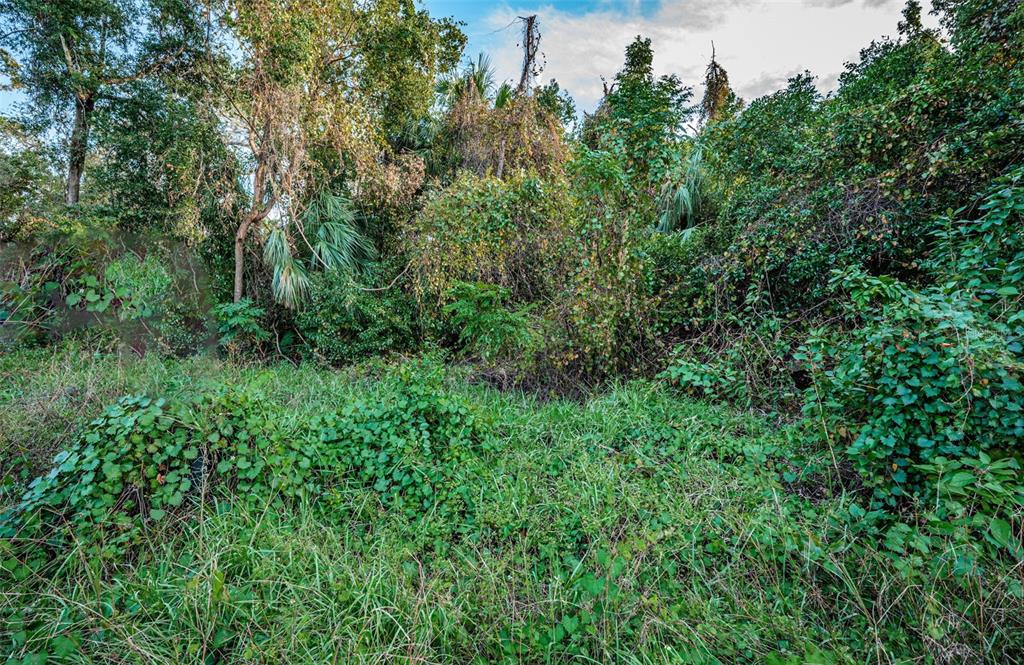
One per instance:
(318, 343)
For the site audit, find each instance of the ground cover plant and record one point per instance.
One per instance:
(318, 346)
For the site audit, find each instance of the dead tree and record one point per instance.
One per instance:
(531, 42)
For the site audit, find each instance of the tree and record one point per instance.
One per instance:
(719, 100)
(165, 166)
(641, 118)
(81, 53)
(27, 185)
(558, 102)
(320, 83)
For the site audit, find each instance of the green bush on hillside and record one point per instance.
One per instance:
(935, 372)
(926, 375)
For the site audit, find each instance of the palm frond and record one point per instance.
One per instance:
(475, 81)
(683, 200)
(329, 226)
(277, 249)
(290, 283)
(481, 75)
(503, 96)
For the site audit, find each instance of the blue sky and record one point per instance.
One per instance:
(759, 42)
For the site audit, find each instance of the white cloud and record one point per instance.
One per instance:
(759, 42)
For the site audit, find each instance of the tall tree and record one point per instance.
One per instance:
(641, 118)
(320, 83)
(719, 100)
(78, 54)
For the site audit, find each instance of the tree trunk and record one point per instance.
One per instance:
(501, 160)
(240, 236)
(257, 213)
(79, 144)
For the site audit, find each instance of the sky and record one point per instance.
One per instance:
(760, 43)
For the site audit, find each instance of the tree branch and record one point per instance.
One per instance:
(152, 68)
(67, 56)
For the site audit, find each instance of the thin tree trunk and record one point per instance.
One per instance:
(531, 39)
(501, 160)
(79, 144)
(243, 231)
(256, 214)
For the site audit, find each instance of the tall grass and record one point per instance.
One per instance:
(646, 528)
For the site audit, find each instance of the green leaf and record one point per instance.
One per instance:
(1001, 531)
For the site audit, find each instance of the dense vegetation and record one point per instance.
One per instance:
(318, 347)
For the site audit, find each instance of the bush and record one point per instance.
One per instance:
(714, 380)
(486, 326)
(926, 376)
(134, 461)
(145, 458)
(605, 312)
(986, 255)
(345, 321)
(240, 328)
(510, 233)
(415, 451)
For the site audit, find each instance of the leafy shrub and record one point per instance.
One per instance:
(486, 325)
(239, 325)
(414, 451)
(978, 490)
(986, 255)
(752, 365)
(510, 233)
(134, 460)
(345, 320)
(712, 380)
(672, 257)
(925, 376)
(606, 306)
(145, 457)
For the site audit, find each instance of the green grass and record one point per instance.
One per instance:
(633, 528)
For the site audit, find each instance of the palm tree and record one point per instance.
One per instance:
(328, 239)
(476, 80)
(683, 199)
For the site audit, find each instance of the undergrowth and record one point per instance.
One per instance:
(403, 515)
